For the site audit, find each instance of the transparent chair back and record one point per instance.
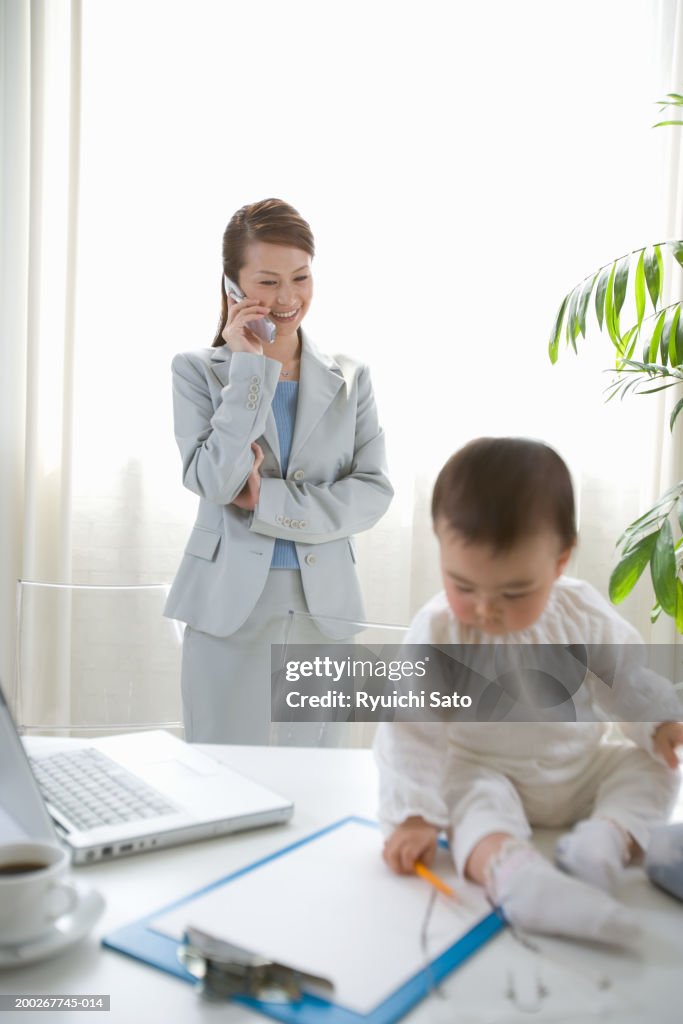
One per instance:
(309, 636)
(95, 659)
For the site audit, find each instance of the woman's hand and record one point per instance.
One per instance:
(413, 840)
(236, 334)
(667, 737)
(249, 495)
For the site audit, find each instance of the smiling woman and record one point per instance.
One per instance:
(283, 446)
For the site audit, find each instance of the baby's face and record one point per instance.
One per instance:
(499, 592)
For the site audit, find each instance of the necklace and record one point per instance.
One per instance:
(292, 366)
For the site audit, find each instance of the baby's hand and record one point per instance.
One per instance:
(413, 840)
(667, 737)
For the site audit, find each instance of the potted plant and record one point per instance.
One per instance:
(658, 336)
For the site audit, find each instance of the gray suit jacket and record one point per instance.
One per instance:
(336, 482)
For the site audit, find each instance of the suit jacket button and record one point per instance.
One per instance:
(299, 475)
(255, 380)
(295, 523)
(310, 559)
(287, 521)
(278, 519)
(251, 405)
(303, 525)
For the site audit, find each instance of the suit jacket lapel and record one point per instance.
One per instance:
(320, 379)
(220, 361)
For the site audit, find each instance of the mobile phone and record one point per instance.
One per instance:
(264, 328)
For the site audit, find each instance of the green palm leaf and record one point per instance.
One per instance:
(663, 569)
(674, 417)
(660, 265)
(572, 324)
(620, 281)
(557, 330)
(640, 288)
(601, 290)
(582, 305)
(630, 568)
(609, 306)
(674, 356)
(679, 606)
(677, 251)
(664, 340)
(652, 275)
(679, 339)
(653, 346)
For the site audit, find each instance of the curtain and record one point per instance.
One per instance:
(668, 468)
(40, 161)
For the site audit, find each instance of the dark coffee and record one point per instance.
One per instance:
(21, 867)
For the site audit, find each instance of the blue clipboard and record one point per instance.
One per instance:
(141, 942)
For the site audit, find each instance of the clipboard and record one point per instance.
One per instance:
(143, 941)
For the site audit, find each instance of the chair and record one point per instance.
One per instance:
(95, 659)
(307, 637)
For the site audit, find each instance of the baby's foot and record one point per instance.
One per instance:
(534, 895)
(595, 851)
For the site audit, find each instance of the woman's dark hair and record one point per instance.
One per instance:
(499, 490)
(270, 220)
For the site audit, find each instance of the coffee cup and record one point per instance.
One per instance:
(34, 891)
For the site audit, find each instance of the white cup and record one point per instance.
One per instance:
(33, 890)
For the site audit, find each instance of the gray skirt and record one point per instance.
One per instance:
(226, 680)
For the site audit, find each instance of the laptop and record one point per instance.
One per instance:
(126, 794)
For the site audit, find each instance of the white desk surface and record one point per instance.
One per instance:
(327, 785)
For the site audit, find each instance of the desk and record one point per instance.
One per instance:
(326, 785)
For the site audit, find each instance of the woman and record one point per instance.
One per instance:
(283, 447)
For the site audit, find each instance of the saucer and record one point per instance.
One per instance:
(64, 932)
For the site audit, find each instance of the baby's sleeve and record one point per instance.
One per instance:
(628, 690)
(411, 757)
(648, 698)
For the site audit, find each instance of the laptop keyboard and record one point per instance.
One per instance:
(89, 789)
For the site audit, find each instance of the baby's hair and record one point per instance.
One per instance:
(500, 490)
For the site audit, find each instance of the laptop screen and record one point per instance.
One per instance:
(23, 814)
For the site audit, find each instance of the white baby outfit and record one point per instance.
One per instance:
(477, 778)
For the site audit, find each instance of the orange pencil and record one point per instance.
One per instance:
(429, 876)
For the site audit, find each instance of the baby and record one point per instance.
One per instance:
(503, 512)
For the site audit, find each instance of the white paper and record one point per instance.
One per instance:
(331, 907)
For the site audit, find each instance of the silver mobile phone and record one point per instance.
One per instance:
(264, 328)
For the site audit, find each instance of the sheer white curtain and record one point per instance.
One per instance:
(462, 166)
(668, 469)
(39, 139)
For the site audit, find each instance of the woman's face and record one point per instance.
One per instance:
(281, 279)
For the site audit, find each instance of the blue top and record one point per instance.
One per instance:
(284, 410)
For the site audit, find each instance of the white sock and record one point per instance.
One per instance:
(534, 895)
(595, 851)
